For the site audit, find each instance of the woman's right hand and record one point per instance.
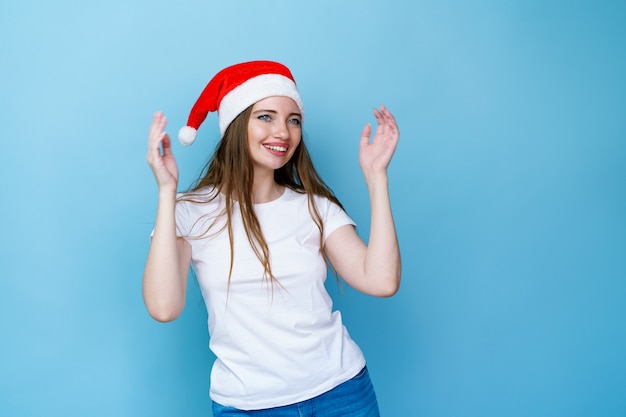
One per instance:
(163, 164)
(165, 275)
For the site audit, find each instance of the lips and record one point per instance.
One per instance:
(276, 148)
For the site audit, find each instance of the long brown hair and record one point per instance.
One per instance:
(231, 173)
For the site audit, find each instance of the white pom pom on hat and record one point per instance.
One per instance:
(234, 89)
(186, 135)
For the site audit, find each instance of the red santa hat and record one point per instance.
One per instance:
(234, 89)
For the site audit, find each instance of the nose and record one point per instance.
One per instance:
(281, 130)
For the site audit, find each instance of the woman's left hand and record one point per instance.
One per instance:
(374, 268)
(374, 156)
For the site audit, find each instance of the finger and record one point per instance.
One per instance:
(154, 150)
(158, 124)
(167, 144)
(365, 135)
(154, 155)
(389, 117)
(156, 136)
(156, 120)
(379, 116)
(391, 128)
(381, 128)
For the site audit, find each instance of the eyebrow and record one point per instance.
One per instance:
(274, 112)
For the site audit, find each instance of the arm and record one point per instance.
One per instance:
(374, 268)
(169, 257)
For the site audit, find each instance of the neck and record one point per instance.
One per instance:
(265, 189)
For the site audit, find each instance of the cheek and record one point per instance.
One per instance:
(296, 134)
(255, 133)
(295, 145)
(252, 131)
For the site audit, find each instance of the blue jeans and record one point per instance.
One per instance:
(353, 398)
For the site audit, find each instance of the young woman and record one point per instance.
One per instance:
(258, 228)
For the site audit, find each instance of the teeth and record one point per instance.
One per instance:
(276, 148)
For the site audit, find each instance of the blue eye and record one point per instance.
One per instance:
(264, 117)
(295, 121)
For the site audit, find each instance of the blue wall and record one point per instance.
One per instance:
(508, 189)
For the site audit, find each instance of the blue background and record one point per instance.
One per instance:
(508, 188)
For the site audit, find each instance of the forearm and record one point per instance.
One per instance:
(164, 281)
(382, 264)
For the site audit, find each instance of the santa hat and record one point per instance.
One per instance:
(234, 89)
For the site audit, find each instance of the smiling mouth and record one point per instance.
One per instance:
(276, 148)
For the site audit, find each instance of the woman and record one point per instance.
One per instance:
(257, 228)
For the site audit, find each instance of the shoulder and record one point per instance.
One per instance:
(202, 195)
(322, 203)
(295, 194)
(199, 202)
(332, 214)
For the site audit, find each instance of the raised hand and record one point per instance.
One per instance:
(163, 164)
(374, 156)
(373, 268)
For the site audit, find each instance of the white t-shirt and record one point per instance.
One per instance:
(275, 344)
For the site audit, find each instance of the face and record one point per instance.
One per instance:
(274, 132)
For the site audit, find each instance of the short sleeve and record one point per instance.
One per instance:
(182, 218)
(333, 216)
